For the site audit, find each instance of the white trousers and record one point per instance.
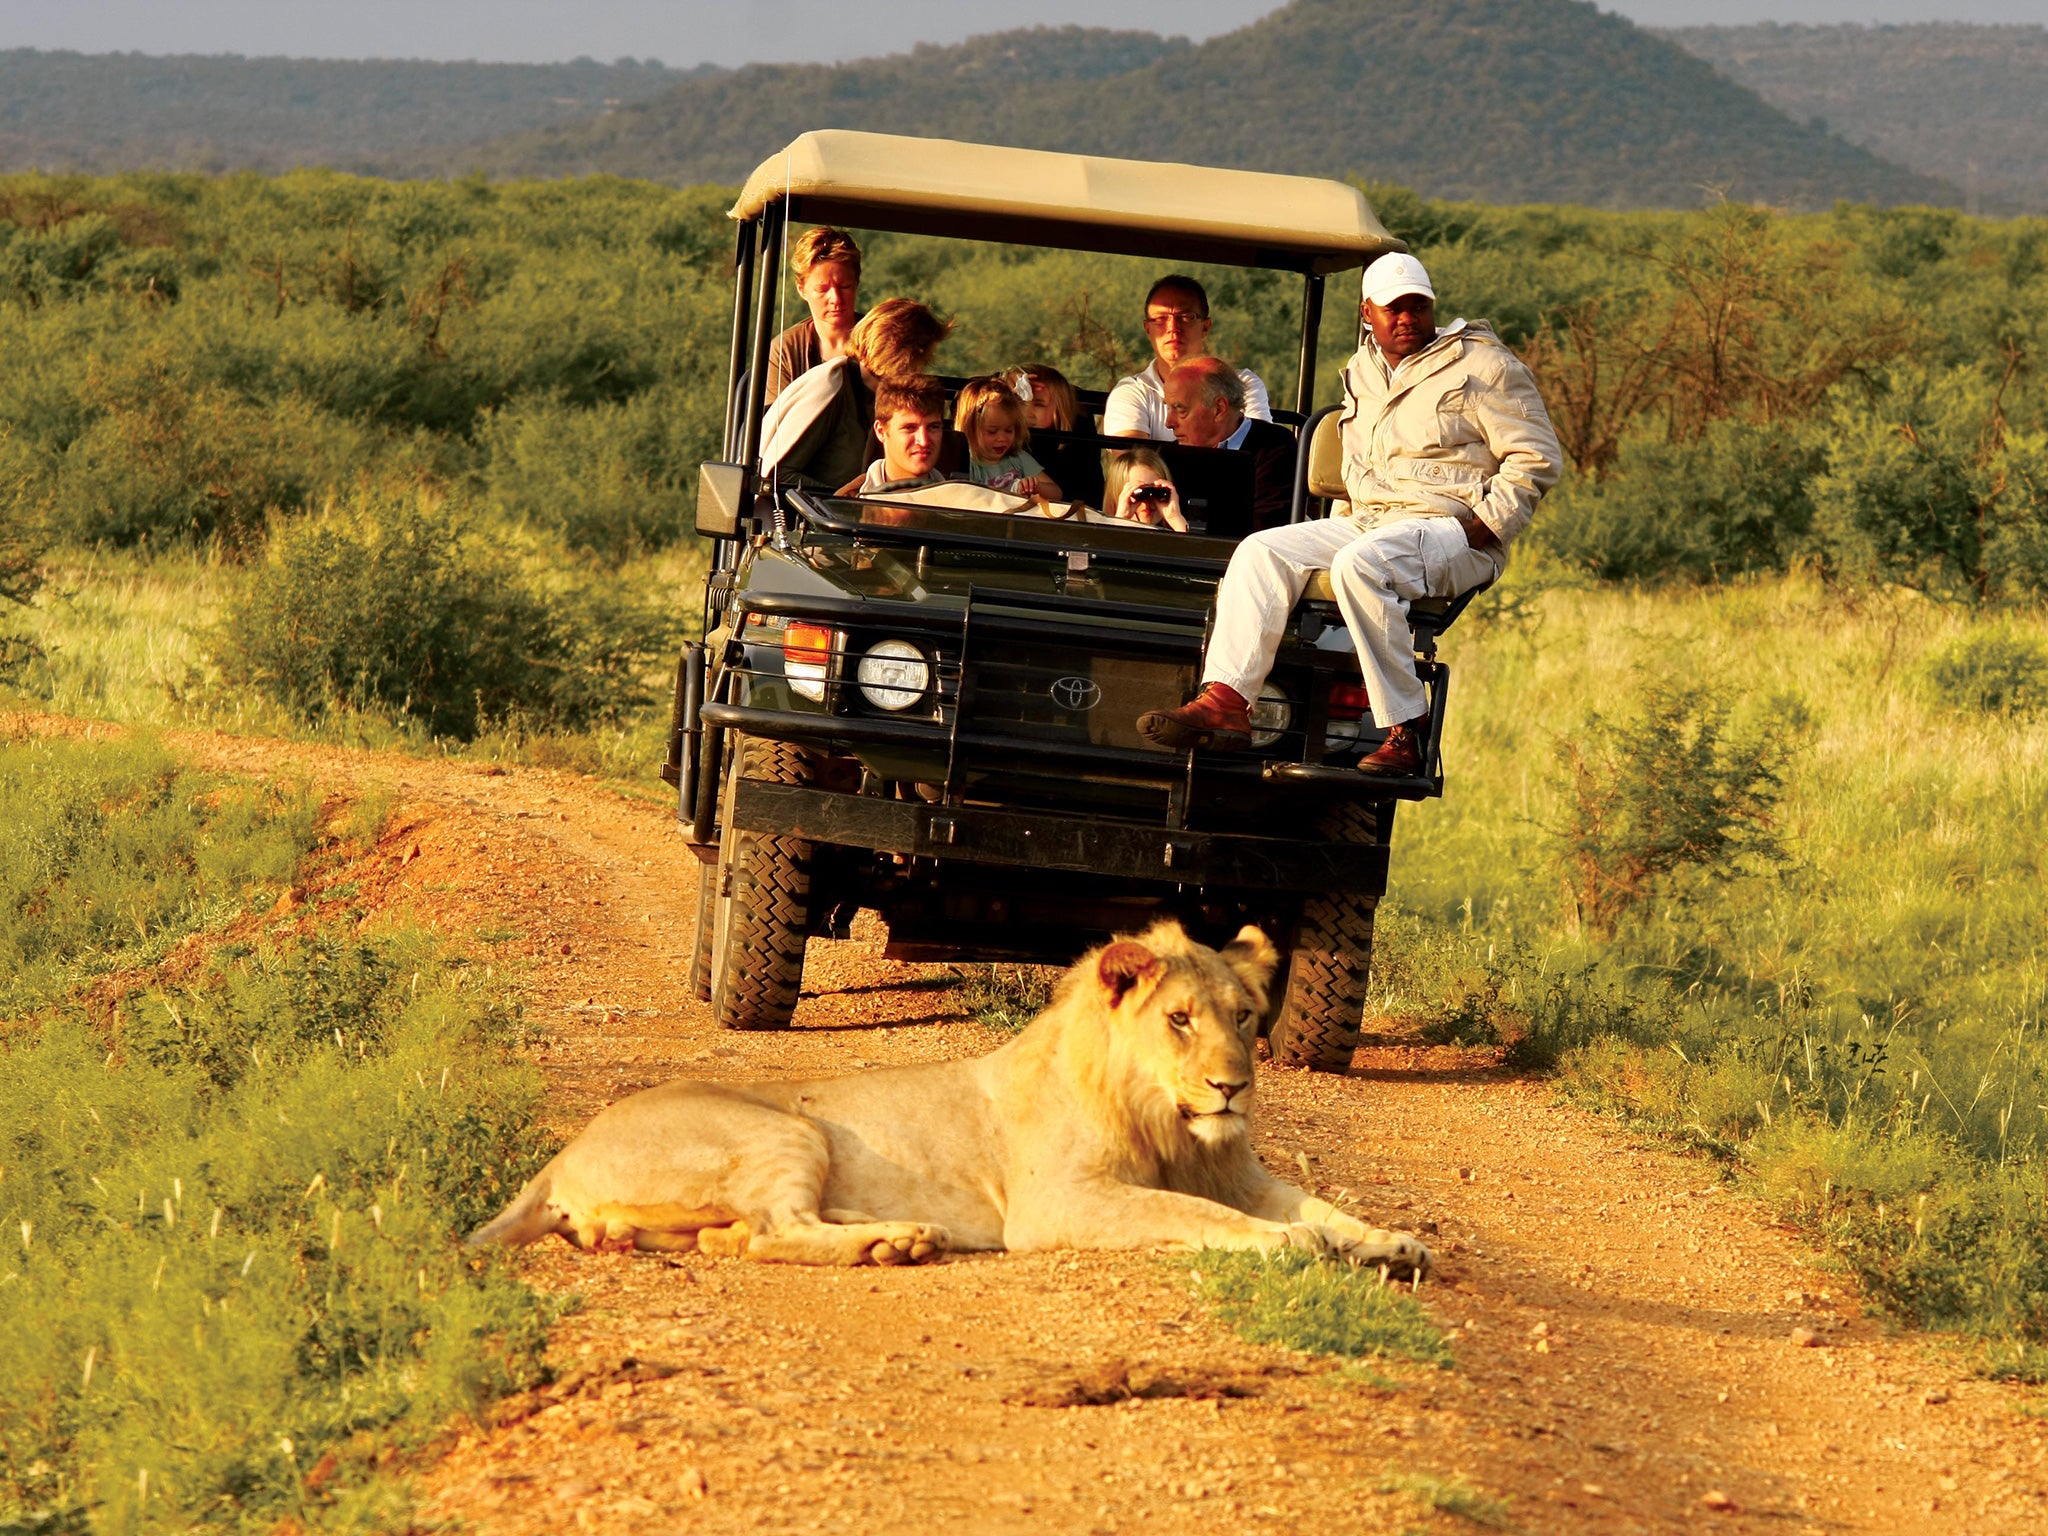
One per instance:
(1375, 572)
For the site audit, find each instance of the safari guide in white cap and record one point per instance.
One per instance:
(1447, 450)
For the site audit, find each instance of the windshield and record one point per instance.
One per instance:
(1027, 533)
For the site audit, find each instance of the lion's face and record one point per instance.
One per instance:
(1186, 1017)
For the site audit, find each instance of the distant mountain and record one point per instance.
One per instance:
(124, 111)
(1966, 103)
(1495, 100)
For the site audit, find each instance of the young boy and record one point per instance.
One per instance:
(910, 420)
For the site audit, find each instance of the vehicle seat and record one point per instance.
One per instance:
(1326, 459)
(1428, 617)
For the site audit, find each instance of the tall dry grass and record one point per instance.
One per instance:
(1861, 1027)
(230, 1287)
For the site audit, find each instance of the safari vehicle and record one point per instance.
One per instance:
(929, 710)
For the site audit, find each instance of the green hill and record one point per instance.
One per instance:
(124, 111)
(1966, 103)
(1495, 100)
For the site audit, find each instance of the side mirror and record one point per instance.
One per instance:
(722, 499)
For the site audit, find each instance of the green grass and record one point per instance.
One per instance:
(1447, 1496)
(116, 852)
(230, 1287)
(1297, 1301)
(1860, 1030)
(1004, 998)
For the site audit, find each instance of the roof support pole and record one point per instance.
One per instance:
(767, 272)
(742, 296)
(1311, 327)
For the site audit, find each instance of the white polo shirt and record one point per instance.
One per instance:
(1137, 406)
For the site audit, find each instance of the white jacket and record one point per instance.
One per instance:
(1458, 428)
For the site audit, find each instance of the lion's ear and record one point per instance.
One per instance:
(1252, 956)
(1123, 965)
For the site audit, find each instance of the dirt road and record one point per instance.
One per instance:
(1624, 1327)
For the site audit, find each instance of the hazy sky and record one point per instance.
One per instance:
(683, 32)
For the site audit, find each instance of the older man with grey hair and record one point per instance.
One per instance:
(1447, 450)
(1205, 408)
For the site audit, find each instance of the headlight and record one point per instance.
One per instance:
(1270, 715)
(894, 674)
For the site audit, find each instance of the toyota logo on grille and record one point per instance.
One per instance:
(1076, 693)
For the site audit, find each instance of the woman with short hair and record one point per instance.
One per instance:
(817, 434)
(826, 264)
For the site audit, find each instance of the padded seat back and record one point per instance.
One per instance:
(1326, 459)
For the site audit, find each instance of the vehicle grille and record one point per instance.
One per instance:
(1072, 693)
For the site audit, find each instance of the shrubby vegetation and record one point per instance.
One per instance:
(391, 605)
(231, 1188)
(409, 464)
(1854, 1021)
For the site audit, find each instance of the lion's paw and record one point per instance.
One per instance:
(1401, 1254)
(910, 1243)
(1320, 1241)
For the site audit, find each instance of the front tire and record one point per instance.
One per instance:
(757, 952)
(707, 924)
(1322, 986)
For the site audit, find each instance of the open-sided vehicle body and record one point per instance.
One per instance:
(930, 711)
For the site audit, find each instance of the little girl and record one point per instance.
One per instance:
(991, 417)
(1050, 402)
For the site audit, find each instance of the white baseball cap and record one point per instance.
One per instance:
(1391, 277)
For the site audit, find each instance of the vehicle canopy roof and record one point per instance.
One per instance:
(1080, 202)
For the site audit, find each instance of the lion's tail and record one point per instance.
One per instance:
(526, 1220)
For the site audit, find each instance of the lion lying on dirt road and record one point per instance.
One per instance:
(1117, 1119)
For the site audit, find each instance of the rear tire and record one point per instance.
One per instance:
(757, 955)
(1322, 985)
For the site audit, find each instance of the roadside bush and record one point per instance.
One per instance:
(237, 1280)
(390, 605)
(1670, 789)
(1995, 671)
(1733, 503)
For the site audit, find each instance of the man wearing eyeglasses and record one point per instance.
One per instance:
(1177, 324)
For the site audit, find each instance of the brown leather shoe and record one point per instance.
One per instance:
(1400, 755)
(1217, 719)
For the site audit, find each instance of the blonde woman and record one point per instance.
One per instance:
(1138, 488)
(826, 264)
(818, 434)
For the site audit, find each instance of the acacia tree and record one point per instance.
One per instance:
(1730, 322)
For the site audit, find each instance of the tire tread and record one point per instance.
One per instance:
(768, 914)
